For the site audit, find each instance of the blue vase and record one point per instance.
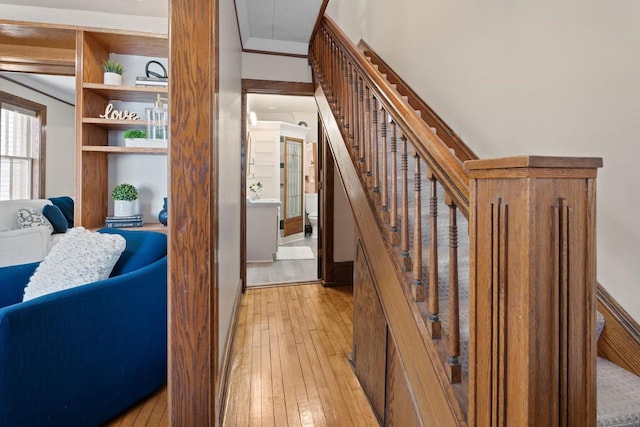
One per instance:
(162, 215)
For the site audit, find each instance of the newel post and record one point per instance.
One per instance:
(533, 291)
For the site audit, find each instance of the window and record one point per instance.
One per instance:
(22, 148)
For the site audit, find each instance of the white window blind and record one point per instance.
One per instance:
(18, 150)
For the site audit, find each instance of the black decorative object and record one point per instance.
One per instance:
(162, 215)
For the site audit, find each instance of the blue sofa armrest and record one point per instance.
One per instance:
(80, 356)
(13, 280)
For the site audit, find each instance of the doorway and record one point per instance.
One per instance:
(279, 184)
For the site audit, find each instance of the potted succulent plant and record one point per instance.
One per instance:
(135, 138)
(112, 72)
(125, 198)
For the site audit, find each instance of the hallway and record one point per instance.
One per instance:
(287, 271)
(290, 362)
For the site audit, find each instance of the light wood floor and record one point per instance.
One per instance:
(150, 413)
(290, 364)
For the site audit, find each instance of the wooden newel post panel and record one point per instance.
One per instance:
(533, 292)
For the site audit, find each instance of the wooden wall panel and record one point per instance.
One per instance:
(193, 212)
(343, 271)
(369, 335)
(400, 409)
(620, 339)
(437, 405)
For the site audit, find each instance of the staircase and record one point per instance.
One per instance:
(482, 308)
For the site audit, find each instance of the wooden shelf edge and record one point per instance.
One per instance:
(114, 124)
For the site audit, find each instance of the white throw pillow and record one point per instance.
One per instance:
(30, 217)
(80, 257)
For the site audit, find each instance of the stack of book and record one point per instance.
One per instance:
(152, 81)
(124, 221)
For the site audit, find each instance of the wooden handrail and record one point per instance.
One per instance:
(447, 168)
(446, 134)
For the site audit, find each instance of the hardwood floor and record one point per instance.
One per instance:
(150, 413)
(290, 364)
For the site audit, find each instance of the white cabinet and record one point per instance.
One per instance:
(262, 229)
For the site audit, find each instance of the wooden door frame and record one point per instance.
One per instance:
(269, 87)
(193, 376)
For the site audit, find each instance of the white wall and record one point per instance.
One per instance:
(148, 173)
(274, 67)
(60, 140)
(230, 101)
(546, 77)
(344, 228)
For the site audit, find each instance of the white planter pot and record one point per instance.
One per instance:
(125, 207)
(144, 142)
(114, 79)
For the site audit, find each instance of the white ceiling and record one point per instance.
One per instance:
(282, 26)
(278, 26)
(279, 104)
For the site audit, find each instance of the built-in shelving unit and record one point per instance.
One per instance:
(92, 131)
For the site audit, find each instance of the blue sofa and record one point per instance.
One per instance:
(81, 356)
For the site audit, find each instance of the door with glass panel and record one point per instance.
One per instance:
(293, 218)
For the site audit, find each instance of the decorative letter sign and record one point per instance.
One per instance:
(110, 113)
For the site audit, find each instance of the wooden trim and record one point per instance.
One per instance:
(37, 90)
(38, 168)
(277, 87)
(255, 86)
(316, 26)
(620, 339)
(545, 162)
(225, 368)
(193, 211)
(448, 136)
(267, 52)
(280, 284)
(327, 208)
(343, 273)
(42, 155)
(243, 190)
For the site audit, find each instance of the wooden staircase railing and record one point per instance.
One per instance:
(531, 253)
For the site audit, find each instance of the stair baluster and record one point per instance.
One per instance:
(417, 288)
(404, 222)
(393, 221)
(434, 302)
(384, 194)
(453, 360)
(367, 135)
(361, 141)
(375, 165)
(353, 104)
